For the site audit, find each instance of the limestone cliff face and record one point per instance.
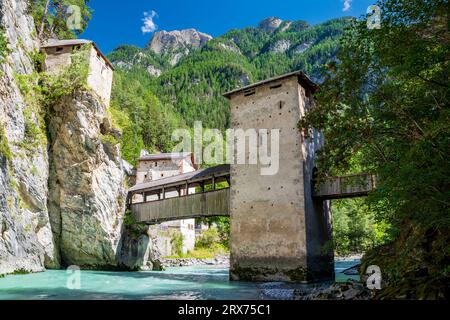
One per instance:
(87, 194)
(177, 43)
(62, 190)
(270, 24)
(26, 240)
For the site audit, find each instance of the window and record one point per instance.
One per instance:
(59, 50)
(276, 86)
(249, 92)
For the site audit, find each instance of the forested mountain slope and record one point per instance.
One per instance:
(152, 94)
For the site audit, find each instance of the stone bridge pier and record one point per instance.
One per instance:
(279, 231)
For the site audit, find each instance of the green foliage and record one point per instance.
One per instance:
(177, 243)
(128, 219)
(4, 50)
(41, 91)
(33, 111)
(385, 106)
(355, 229)
(202, 253)
(33, 135)
(20, 272)
(135, 57)
(5, 151)
(52, 17)
(109, 139)
(207, 238)
(133, 228)
(38, 59)
(69, 79)
(143, 119)
(222, 228)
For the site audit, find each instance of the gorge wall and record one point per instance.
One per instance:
(62, 186)
(86, 185)
(26, 240)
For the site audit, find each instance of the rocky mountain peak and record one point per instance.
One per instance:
(270, 24)
(167, 41)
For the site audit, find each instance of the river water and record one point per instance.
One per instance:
(196, 282)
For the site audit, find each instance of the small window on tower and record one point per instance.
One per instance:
(249, 92)
(276, 86)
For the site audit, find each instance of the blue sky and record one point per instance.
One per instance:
(117, 22)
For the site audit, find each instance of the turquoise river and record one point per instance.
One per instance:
(197, 282)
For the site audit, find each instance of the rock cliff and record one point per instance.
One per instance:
(86, 182)
(26, 240)
(177, 43)
(62, 181)
(270, 24)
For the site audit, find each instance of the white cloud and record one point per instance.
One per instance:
(347, 5)
(149, 25)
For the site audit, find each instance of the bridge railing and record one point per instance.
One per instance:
(213, 203)
(349, 186)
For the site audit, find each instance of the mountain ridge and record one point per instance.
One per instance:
(191, 89)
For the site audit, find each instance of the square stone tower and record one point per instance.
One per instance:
(279, 232)
(59, 53)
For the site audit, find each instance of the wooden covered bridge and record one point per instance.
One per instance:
(169, 199)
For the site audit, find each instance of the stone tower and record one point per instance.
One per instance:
(278, 231)
(59, 54)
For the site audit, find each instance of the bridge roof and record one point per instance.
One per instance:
(303, 79)
(190, 177)
(166, 156)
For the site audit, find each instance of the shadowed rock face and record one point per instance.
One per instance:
(26, 240)
(86, 183)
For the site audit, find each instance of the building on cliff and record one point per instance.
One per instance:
(59, 53)
(164, 165)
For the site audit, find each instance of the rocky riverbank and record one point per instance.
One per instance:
(186, 262)
(350, 290)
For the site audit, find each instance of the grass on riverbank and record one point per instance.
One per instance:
(216, 249)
